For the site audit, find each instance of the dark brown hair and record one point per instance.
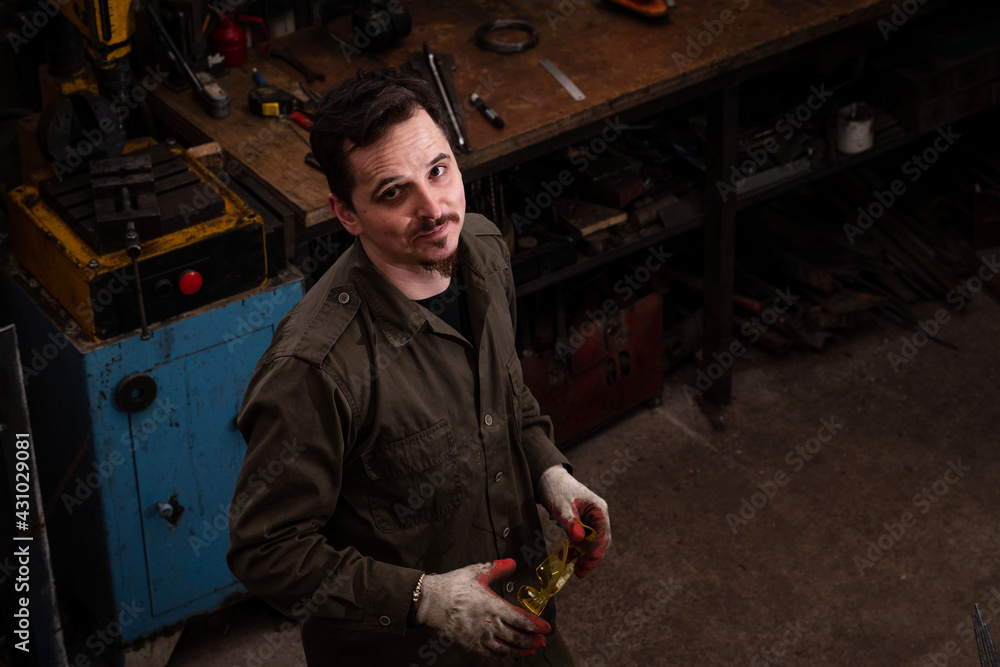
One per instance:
(359, 112)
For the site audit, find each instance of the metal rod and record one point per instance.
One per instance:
(984, 660)
(133, 249)
(444, 96)
(563, 80)
(182, 33)
(994, 661)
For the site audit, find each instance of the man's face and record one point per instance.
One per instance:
(409, 200)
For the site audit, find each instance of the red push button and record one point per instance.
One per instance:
(189, 282)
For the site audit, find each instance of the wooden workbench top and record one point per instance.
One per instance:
(618, 59)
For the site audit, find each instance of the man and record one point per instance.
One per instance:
(402, 520)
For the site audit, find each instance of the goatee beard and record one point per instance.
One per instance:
(446, 267)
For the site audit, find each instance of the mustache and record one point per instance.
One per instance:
(430, 224)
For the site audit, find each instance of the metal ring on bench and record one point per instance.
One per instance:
(484, 42)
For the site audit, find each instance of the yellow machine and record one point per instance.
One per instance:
(122, 233)
(108, 26)
(197, 240)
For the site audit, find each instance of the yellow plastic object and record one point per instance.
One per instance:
(553, 573)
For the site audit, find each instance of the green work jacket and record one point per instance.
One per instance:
(382, 444)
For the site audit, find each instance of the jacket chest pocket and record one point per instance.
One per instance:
(413, 480)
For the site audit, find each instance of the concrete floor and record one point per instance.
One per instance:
(846, 563)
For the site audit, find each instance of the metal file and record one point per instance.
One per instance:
(562, 79)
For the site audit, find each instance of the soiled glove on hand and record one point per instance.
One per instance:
(569, 501)
(460, 606)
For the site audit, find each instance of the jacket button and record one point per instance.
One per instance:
(499, 476)
(344, 298)
(506, 532)
(488, 419)
(384, 620)
(510, 586)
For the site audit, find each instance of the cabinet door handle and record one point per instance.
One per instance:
(171, 510)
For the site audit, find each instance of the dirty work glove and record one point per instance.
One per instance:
(460, 606)
(569, 501)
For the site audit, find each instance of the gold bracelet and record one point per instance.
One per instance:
(416, 591)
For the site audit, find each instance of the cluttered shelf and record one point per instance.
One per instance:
(688, 213)
(823, 170)
(675, 216)
(685, 215)
(678, 216)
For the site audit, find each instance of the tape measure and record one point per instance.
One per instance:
(270, 101)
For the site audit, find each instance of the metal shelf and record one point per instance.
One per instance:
(830, 168)
(584, 264)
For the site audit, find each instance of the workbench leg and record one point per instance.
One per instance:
(720, 222)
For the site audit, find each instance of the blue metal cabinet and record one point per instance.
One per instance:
(138, 501)
(193, 466)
